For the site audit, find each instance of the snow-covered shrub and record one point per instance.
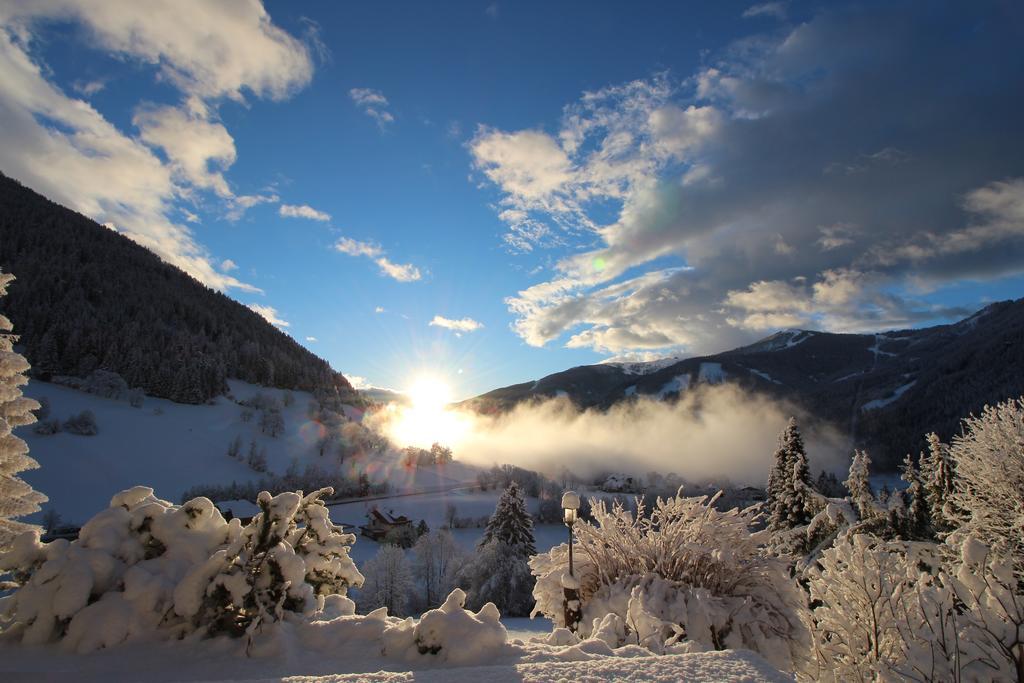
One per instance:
(983, 582)
(46, 427)
(106, 384)
(686, 578)
(888, 610)
(83, 424)
(118, 578)
(988, 500)
(16, 497)
(146, 567)
(287, 559)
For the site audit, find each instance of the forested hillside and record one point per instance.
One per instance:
(87, 298)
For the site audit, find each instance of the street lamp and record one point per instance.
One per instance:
(570, 586)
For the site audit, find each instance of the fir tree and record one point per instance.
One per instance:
(500, 570)
(918, 518)
(511, 523)
(939, 482)
(789, 484)
(16, 497)
(859, 486)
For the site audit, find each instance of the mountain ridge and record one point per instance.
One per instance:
(886, 390)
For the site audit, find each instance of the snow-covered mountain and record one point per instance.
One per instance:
(886, 390)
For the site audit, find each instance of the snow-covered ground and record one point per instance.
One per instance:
(222, 660)
(172, 447)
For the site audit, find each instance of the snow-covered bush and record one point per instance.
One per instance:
(888, 610)
(984, 584)
(83, 424)
(146, 567)
(988, 499)
(16, 497)
(46, 427)
(686, 578)
(288, 558)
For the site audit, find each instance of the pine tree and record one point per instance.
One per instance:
(939, 482)
(779, 481)
(16, 497)
(918, 518)
(500, 570)
(789, 483)
(511, 523)
(859, 485)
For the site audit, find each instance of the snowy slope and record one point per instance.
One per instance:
(644, 367)
(172, 447)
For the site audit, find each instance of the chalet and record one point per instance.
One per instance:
(243, 510)
(380, 523)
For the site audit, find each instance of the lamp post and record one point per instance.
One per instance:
(570, 586)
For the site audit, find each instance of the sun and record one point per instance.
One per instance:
(429, 417)
(429, 393)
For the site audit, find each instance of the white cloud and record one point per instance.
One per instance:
(403, 272)
(227, 265)
(303, 211)
(766, 9)
(207, 49)
(88, 88)
(65, 149)
(239, 204)
(270, 314)
(347, 245)
(199, 150)
(357, 382)
(461, 325)
(723, 172)
(374, 104)
(378, 309)
(312, 339)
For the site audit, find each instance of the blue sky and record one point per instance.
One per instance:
(550, 184)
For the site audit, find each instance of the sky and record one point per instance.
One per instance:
(490, 192)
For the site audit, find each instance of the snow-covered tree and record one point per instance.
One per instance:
(287, 559)
(790, 492)
(919, 526)
(389, 581)
(891, 610)
(939, 481)
(859, 485)
(872, 606)
(17, 498)
(437, 561)
(993, 599)
(988, 500)
(499, 572)
(687, 577)
(511, 523)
